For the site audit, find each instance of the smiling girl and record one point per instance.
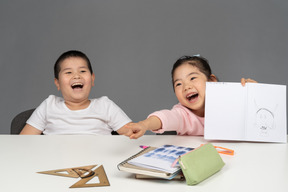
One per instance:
(189, 77)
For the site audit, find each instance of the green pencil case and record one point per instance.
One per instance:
(200, 164)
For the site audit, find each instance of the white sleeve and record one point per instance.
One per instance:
(38, 117)
(116, 116)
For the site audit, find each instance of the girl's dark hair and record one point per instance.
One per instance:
(197, 61)
(72, 53)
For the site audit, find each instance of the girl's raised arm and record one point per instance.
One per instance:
(244, 81)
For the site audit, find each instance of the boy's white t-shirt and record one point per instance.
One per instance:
(100, 118)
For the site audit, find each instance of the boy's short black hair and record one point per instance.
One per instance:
(71, 53)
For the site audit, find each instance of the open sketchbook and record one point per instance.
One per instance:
(255, 112)
(155, 162)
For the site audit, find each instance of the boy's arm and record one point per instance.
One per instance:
(30, 130)
(136, 130)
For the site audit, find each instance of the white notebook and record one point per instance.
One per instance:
(255, 112)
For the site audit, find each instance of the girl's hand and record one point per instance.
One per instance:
(136, 130)
(244, 81)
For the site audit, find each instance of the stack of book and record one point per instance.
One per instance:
(154, 162)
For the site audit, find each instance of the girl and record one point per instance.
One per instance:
(189, 77)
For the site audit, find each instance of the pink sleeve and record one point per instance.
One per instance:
(180, 119)
(169, 120)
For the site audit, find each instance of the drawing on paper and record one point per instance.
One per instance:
(264, 121)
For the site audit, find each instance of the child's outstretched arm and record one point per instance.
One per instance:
(244, 81)
(137, 130)
(125, 130)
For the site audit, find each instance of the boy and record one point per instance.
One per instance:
(75, 113)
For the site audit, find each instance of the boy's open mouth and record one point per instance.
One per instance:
(77, 86)
(192, 96)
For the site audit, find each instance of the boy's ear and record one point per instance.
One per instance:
(213, 78)
(56, 82)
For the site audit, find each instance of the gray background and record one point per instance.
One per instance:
(133, 44)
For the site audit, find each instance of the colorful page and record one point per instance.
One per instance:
(161, 158)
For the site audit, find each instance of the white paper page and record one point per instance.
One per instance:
(224, 111)
(266, 114)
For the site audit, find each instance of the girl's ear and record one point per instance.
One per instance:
(213, 78)
(56, 82)
(93, 79)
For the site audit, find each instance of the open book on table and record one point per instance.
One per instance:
(155, 162)
(255, 112)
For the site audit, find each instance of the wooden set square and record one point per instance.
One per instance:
(86, 173)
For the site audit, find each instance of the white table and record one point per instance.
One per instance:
(254, 167)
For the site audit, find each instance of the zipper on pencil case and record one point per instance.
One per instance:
(221, 150)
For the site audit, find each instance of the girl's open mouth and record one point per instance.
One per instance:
(192, 97)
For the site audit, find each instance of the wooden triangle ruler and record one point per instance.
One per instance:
(98, 172)
(69, 172)
(86, 173)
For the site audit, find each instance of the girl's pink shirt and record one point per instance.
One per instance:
(180, 119)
